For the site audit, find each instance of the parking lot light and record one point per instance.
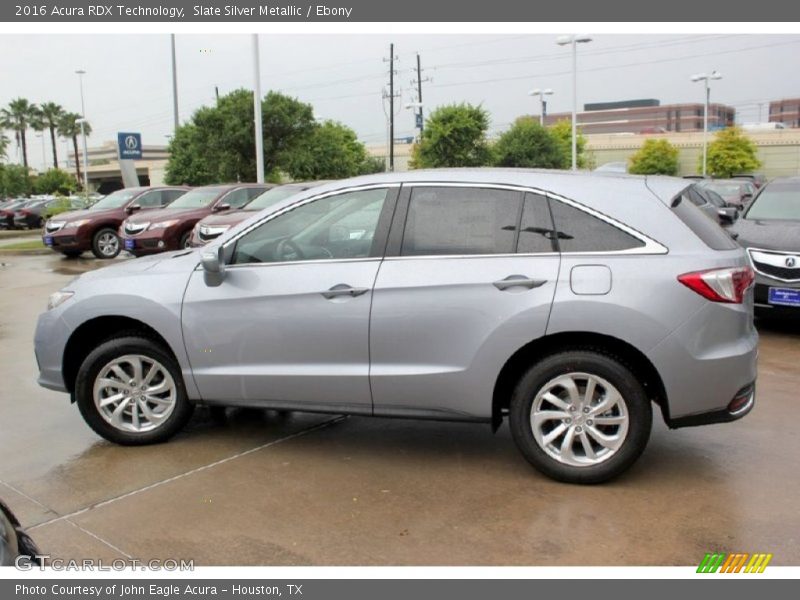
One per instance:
(574, 40)
(541, 94)
(705, 78)
(80, 73)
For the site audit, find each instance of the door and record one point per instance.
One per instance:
(288, 326)
(463, 287)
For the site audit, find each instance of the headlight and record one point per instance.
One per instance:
(72, 224)
(58, 298)
(163, 224)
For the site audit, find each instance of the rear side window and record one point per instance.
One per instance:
(578, 231)
(711, 234)
(537, 233)
(168, 196)
(456, 220)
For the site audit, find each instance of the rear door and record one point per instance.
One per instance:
(454, 299)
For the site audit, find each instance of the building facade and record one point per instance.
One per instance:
(785, 111)
(647, 116)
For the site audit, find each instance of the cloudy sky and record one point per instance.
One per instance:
(128, 81)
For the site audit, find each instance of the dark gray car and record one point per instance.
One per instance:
(569, 304)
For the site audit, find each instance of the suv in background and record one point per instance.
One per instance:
(214, 225)
(171, 228)
(570, 304)
(95, 228)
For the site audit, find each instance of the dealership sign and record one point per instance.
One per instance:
(129, 146)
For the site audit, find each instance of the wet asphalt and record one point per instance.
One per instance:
(266, 488)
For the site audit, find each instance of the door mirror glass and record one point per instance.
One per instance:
(221, 207)
(132, 209)
(213, 261)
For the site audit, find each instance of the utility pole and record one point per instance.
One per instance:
(419, 104)
(391, 107)
(216, 93)
(257, 111)
(174, 83)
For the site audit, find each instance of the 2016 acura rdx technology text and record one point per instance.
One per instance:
(568, 303)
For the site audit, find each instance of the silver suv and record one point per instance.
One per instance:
(567, 303)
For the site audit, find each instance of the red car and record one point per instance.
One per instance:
(95, 228)
(171, 228)
(214, 225)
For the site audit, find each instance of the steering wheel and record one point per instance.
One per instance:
(283, 245)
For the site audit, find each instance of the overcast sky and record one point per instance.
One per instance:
(128, 82)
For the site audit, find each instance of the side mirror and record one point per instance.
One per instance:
(727, 215)
(213, 262)
(133, 208)
(221, 207)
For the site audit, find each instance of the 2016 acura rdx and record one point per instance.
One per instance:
(567, 303)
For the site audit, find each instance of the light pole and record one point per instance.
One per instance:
(82, 121)
(44, 159)
(174, 82)
(257, 111)
(541, 94)
(574, 40)
(706, 78)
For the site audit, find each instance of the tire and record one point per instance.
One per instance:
(184, 241)
(72, 253)
(626, 421)
(104, 246)
(169, 408)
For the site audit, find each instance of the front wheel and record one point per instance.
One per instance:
(185, 240)
(580, 417)
(105, 243)
(130, 391)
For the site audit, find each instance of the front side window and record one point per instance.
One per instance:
(150, 199)
(460, 221)
(578, 231)
(337, 227)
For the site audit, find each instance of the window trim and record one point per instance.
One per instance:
(397, 231)
(381, 230)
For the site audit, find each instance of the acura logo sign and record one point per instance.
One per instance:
(791, 262)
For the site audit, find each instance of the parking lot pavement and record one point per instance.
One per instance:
(266, 488)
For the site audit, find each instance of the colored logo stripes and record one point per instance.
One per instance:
(734, 563)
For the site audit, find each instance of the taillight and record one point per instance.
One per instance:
(720, 285)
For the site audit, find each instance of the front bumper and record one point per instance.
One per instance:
(63, 241)
(762, 303)
(149, 242)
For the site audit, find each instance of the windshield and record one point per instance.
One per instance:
(115, 200)
(272, 197)
(726, 189)
(198, 198)
(779, 201)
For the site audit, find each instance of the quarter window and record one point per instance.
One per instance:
(578, 231)
(461, 220)
(336, 227)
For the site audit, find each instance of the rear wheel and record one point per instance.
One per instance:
(130, 391)
(580, 417)
(105, 243)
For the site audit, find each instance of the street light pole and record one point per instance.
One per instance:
(81, 73)
(257, 111)
(174, 82)
(574, 40)
(706, 79)
(541, 94)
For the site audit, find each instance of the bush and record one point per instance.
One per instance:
(562, 132)
(454, 136)
(729, 153)
(655, 157)
(54, 181)
(528, 144)
(14, 181)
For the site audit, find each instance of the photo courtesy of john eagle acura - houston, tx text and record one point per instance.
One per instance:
(574, 306)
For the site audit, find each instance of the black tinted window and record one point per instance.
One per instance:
(578, 231)
(537, 233)
(461, 221)
(702, 225)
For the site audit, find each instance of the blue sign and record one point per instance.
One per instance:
(419, 121)
(129, 146)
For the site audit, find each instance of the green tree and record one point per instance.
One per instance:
(372, 164)
(454, 136)
(17, 117)
(14, 181)
(54, 181)
(528, 144)
(562, 132)
(4, 144)
(729, 153)
(218, 144)
(330, 151)
(655, 157)
(69, 128)
(47, 118)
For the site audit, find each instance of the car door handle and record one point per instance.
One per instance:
(518, 281)
(342, 289)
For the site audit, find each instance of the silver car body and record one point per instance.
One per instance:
(429, 335)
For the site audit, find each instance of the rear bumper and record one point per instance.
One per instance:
(740, 405)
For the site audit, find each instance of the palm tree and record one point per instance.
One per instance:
(4, 143)
(48, 117)
(68, 127)
(17, 117)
